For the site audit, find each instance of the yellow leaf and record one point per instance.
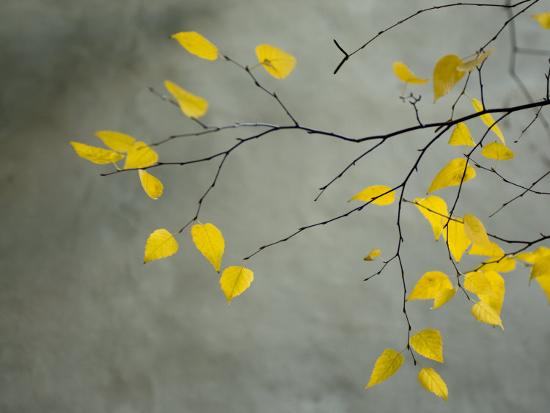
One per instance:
(446, 75)
(488, 120)
(475, 230)
(455, 235)
(373, 254)
(117, 141)
(403, 73)
(275, 61)
(443, 297)
(544, 283)
(432, 382)
(484, 313)
(160, 244)
(541, 267)
(492, 249)
(386, 365)
(477, 60)
(235, 280)
(434, 209)
(452, 174)
(195, 43)
(209, 241)
(499, 264)
(532, 256)
(489, 286)
(152, 186)
(374, 191)
(191, 105)
(96, 155)
(433, 285)
(497, 151)
(140, 155)
(428, 343)
(543, 19)
(476, 282)
(461, 136)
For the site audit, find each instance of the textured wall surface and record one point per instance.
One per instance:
(85, 327)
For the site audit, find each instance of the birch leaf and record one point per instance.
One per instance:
(484, 313)
(140, 155)
(403, 73)
(373, 254)
(195, 43)
(475, 230)
(432, 382)
(433, 285)
(497, 151)
(446, 75)
(275, 61)
(191, 105)
(117, 141)
(543, 19)
(443, 297)
(376, 191)
(461, 136)
(235, 280)
(455, 236)
(488, 120)
(428, 343)
(499, 264)
(152, 186)
(160, 244)
(544, 283)
(434, 209)
(531, 256)
(541, 267)
(492, 249)
(96, 155)
(386, 365)
(209, 241)
(477, 60)
(452, 174)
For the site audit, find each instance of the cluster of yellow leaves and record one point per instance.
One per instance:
(137, 153)
(208, 239)
(429, 344)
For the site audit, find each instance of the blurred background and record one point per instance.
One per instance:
(86, 327)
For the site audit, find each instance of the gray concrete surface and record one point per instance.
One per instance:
(85, 327)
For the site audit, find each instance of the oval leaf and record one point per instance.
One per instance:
(461, 136)
(497, 151)
(403, 73)
(484, 313)
(209, 241)
(275, 61)
(446, 75)
(432, 382)
(96, 155)
(235, 280)
(452, 174)
(152, 186)
(456, 238)
(195, 43)
(160, 244)
(191, 105)
(386, 365)
(140, 155)
(430, 285)
(117, 141)
(373, 254)
(380, 193)
(428, 343)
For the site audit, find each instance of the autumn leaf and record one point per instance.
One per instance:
(443, 297)
(373, 254)
(99, 156)
(386, 365)
(499, 264)
(461, 136)
(488, 120)
(492, 249)
(452, 174)
(541, 267)
(195, 43)
(446, 75)
(375, 191)
(191, 105)
(433, 285)
(140, 155)
(484, 313)
(477, 60)
(117, 141)
(209, 241)
(475, 230)
(428, 343)
(544, 283)
(152, 186)
(497, 151)
(489, 286)
(543, 19)
(160, 244)
(432, 382)
(434, 209)
(456, 238)
(235, 280)
(275, 61)
(531, 256)
(403, 73)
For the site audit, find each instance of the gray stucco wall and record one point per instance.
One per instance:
(85, 327)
